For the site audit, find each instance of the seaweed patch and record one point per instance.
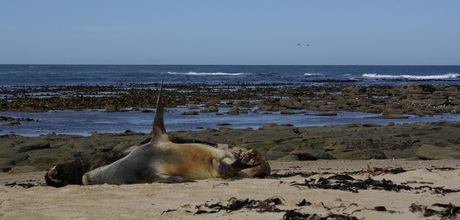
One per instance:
(234, 204)
(261, 206)
(445, 211)
(292, 214)
(23, 185)
(347, 183)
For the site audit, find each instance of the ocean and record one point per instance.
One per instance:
(86, 122)
(56, 75)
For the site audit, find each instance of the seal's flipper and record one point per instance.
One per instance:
(230, 170)
(238, 165)
(176, 179)
(159, 130)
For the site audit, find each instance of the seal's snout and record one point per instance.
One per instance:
(54, 177)
(85, 180)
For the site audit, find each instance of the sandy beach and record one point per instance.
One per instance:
(277, 197)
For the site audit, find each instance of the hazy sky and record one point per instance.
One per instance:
(347, 32)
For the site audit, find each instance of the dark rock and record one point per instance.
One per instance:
(11, 123)
(274, 155)
(300, 151)
(112, 108)
(33, 145)
(287, 158)
(244, 111)
(371, 125)
(390, 124)
(269, 135)
(287, 112)
(212, 103)
(23, 169)
(292, 103)
(433, 152)
(234, 111)
(224, 128)
(6, 164)
(390, 116)
(267, 108)
(366, 154)
(213, 109)
(346, 144)
(324, 114)
(241, 103)
(146, 110)
(189, 113)
(310, 153)
(270, 125)
(353, 148)
(43, 159)
(192, 106)
(316, 104)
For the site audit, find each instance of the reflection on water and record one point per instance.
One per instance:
(88, 121)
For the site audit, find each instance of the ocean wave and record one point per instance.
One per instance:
(413, 77)
(312, 74)
(208, 74)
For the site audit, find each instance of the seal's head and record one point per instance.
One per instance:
(57, 176)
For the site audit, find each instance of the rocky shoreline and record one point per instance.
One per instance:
(434, 140)
(417, 99)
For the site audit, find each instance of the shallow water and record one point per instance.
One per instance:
(89, 121)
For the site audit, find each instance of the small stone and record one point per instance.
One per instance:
(390, 124)
(233, 111)
(192, 106)
(189, 113)
(112, 108)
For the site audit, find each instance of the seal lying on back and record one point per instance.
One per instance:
(162, 160)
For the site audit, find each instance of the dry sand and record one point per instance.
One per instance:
(183, 201)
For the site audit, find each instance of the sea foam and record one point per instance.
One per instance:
(312, 74)
(208, 74)
(413, 77)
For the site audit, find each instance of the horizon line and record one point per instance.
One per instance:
(102, 64)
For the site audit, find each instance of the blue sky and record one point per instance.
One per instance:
(368, 32)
